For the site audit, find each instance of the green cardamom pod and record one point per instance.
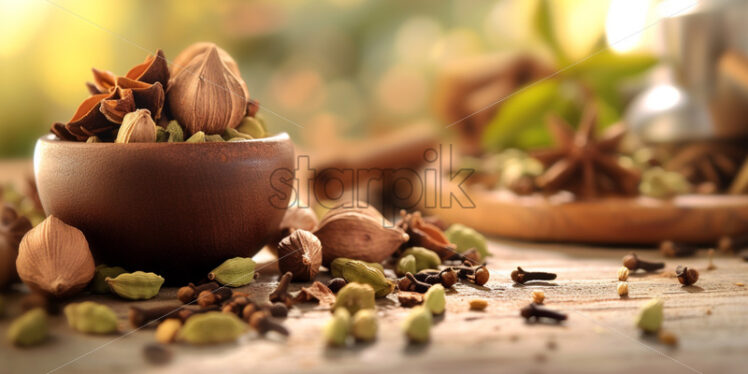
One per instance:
(364, 325)
(213, 139)
(336, 267)
(162, 136)
(406, 264)
(650, 316)
(31, 328)
(336, 329)
(417, 325)
(235, 272)
(425, 258)
(212, 327)
(230, 134)
(465, 238)
(198, 137)
(91, 318)
(136, 286)
(354, 297)
(99, 284)
(357, 271)
(252, 126)
(435, 299)
(176, 134)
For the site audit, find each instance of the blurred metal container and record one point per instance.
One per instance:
(703, 96)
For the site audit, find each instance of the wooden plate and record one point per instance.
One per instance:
(639, 220)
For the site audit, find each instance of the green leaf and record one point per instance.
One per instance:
(520, 121)
(543, 23)
(611, 68)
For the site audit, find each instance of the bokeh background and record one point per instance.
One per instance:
(339, 68)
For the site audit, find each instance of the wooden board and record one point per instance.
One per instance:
(639, 220)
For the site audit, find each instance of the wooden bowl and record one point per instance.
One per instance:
(178, 209)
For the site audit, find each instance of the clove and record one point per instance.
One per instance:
(140, 317)
(261, 321)
(536, 312)
(686, 276)
(236, 304)
(446, 277)
(410, 283)
(733, 243)
(185, 313)
(521, 276)
(214, 297)
(669, 248)
(633, 262)
(188, 293)
(476, 274)
(335, 284)
(280, 294)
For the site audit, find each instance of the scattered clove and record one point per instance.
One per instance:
(521, 276)
(669, 248)
(279, 310)
(140, 317)
(336, 284)
(185, 313)
(280, 294)
(686, 276)
(207, 298)
(261, 321)
(410, 283)
(633, 263)
(188, 293)
(446, 277)
(536, 312)
(477, 274)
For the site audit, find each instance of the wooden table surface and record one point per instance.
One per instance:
(710, 320)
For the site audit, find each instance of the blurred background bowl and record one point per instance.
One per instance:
(177, 209)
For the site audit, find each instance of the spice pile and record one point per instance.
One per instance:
(201, 98)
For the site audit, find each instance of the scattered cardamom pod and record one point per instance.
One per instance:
(102, 272)
(417, 325)
(336, 267)
(137, 127)
(136, 286)
(435, 299)
(29, 329)
(91, 318)
(214, 139)
(336, 329)
(198, 137)
(231, 134)
(425, 259)
(166, 332)
(235, 272)
(661, 184)
(354, 297)
(212, 327)
(176, 134)
(54, 259)
(253, 126)
(650, 316)
(162, 136)
(406, 264)
(465, 238)
(364, 325)
(357, 271)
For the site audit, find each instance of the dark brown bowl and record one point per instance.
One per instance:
(177, 209)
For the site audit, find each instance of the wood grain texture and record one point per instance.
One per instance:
(709, 319)
(613, 220)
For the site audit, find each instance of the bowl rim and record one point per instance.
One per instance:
(53, 139)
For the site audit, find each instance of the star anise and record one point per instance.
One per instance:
(583, 164)
(709, 166)
(143, 87)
